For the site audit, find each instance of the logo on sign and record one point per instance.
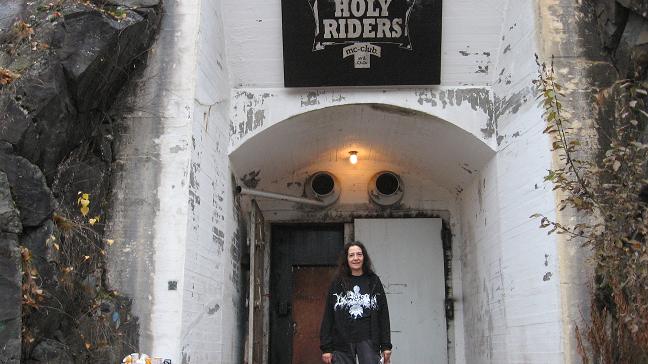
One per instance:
(361, 25)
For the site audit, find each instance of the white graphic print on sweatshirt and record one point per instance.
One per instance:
(355, 302)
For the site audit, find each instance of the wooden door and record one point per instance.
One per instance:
(310, 288)
(295, 247)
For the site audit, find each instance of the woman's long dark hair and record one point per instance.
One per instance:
(344, 272)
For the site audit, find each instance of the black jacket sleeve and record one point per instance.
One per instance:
(383, 319)
(326, 329)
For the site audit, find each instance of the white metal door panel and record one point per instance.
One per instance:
(408, 256)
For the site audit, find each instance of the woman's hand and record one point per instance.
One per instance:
(327, 358)
(386, 356)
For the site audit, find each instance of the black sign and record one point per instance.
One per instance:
(361, 42)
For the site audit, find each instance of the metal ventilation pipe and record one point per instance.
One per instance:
(278, 196)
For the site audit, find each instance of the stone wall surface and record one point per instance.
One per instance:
(10, 312)
(623, 29)
(62, 64)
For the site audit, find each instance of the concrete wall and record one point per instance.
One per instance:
(174, 222)
(149, 213)
(511, 280)
(509, 265)
(212, 287)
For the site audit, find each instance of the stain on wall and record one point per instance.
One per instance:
(252, 107)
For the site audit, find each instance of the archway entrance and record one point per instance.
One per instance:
(434, 160)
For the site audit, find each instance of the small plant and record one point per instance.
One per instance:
(32, 293)
(79, 295)
(611, 197)
(22, 30)
(7, 76)
(118, 13)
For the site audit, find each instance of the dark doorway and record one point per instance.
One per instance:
(302, 258)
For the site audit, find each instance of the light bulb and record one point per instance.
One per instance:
(353, 157)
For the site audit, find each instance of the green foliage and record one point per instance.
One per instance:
(610, 196)
(119, 12)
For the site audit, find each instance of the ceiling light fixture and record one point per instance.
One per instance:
(353, 157)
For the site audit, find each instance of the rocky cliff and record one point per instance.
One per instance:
(62, 65)
(623, 28)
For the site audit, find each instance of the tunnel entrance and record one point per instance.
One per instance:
(400, 199)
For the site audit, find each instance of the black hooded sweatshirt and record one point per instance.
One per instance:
(363, 305)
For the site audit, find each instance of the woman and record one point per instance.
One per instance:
(356, 317)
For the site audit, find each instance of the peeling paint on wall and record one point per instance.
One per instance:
(426, 97)
(218, 237)
(505, 106)
(478, 98)
(311, 98)
(250, 179)
(213, 310)
(547, 276)
(504, 78)
(338, 98)
(193, 172)
(255, 119)
(252, 107)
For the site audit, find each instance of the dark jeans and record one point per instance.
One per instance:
(365, 351)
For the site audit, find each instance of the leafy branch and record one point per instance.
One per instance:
(609, 193)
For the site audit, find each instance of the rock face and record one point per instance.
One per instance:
(10, 301)
(70, 60)
(640, 7)
(52, 352)
(623, 31)
(623, 28)
(32, 195)
(9, 216)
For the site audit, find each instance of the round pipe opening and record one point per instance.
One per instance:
(385, 189)
(387, 184)
(322, 184)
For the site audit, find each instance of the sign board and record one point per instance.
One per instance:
(361, 42)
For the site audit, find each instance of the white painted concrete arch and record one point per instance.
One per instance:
(404, 140)
(469, 108)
